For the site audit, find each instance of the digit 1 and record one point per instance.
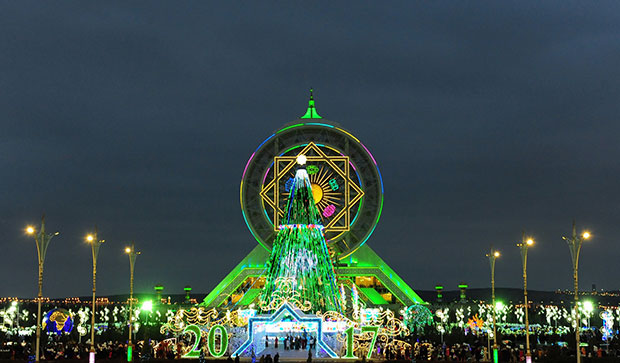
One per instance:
(375, 330)
(194, 352)
(223, 341)
(349, 354)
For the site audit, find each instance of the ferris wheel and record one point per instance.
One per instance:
(346, 183)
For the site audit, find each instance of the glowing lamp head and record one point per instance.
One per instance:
(587, 306)
(90, 238)
(499, 305)
(529, 242)
(586, 235)
(30, 230)
(496, 254)
(301, 159)
(127, 249)
(147, 305)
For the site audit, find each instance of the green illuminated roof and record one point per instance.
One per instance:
(311, 112)
(252, 265)
(249, 296)
(463, 286)
(373, 296)
(365, 262)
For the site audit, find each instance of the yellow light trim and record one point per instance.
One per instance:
(346, 132)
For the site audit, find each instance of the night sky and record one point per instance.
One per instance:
(485, 118)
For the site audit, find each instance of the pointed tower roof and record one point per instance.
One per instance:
(311, 112)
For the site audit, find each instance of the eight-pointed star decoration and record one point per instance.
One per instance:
(286, 311)
(333, 189)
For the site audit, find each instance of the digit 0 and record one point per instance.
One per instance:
(223, 341)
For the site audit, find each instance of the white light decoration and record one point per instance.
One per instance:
(301, 159)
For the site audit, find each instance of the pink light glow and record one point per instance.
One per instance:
(247, 164)
(372, 157)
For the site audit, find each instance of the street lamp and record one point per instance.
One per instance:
(95, 243)
(523, 246)
(574, 245)
(131, 251)
(42, 240)
(493, 255)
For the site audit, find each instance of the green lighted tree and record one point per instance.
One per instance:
(299, 269)
(417, 317)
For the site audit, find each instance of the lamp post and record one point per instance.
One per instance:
(493, 255)
(574, 245)
(95, 243)
(42, 240)
(131, 251)
(523, 246)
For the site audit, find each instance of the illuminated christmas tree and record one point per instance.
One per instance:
(299, 269)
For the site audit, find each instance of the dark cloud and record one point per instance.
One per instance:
(485, 118)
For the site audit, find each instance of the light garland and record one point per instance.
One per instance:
(301, 226)
(285, 293)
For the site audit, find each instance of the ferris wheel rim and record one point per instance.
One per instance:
(325, 126)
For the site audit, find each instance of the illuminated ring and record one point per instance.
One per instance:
(327, 135)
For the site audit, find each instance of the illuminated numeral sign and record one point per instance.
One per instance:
(349, 352)
(349, 333)
(223, 341)
(195, 351)
(223, 346)
(375, 331)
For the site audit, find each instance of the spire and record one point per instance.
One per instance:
(311, 112)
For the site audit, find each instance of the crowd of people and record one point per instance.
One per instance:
(463, 352)
(418, 351)
(114, 350)
(292, 342)
(57, 350)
